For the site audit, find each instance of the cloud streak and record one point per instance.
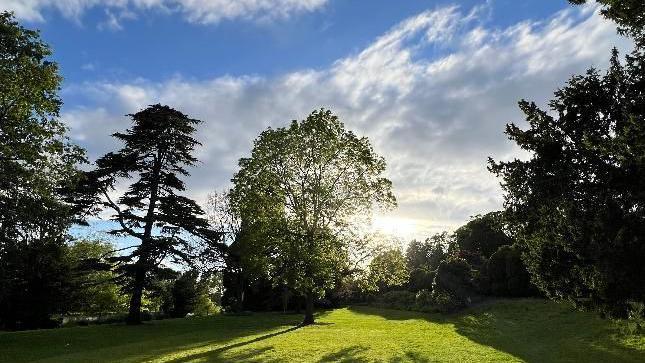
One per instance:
(433, 94)
(194, 11)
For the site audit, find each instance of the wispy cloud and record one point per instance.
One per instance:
(433, 94)
(195, 11)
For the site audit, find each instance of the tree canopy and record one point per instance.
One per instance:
(37, 162)
(578, 204)
(299, 191)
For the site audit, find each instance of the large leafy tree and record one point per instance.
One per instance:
(298, 191)
(577, 205)
(387, 270)
(36, 162)
(157, 151)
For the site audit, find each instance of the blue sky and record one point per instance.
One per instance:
(431, 83)
(157, 44)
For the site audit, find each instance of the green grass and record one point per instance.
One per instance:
(507, 330)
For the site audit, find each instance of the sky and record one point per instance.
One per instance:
(430, 83)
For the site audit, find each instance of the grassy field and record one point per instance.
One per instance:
(508, 330)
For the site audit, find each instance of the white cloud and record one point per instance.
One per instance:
(436, 116)
(196, 11)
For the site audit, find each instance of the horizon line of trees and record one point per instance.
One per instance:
(284, 236)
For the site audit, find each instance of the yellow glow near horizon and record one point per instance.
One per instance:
(395, 226)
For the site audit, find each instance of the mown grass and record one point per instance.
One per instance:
(506, 330)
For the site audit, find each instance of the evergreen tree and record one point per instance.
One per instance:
(157, 150)
(577, 206)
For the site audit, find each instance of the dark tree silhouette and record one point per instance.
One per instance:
(578, 204)
(157, 150)
(36, 161)
(478, 239)
(628, 14)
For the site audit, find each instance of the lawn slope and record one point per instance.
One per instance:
(507, 330)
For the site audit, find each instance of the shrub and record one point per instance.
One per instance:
(421, 279)
(635, 318)
(400, 299)
(423, 301)
(446, 302)
(506, 273)
(453, 285)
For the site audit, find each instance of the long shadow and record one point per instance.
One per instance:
(349, 354)
(532, 330)
(210, 355)
(135, 343)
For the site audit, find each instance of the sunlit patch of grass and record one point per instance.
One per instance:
(507, 330)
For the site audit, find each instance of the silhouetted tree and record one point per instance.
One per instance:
(157, 150)
(506, 274)
(478, 239)
(628, 14)
(423, 259)
(36, 162)
(577, 205)
(298, 189)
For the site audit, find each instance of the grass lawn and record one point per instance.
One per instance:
(506, 330)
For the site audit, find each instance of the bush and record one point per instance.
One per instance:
(506, 273)
(421, 279)
(635, 318)
(402, 300)
(446, 302)
(423, 301)
(453, 285)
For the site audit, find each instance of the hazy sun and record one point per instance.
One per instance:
(395, 226)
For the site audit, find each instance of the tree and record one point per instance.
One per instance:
(423, 259)
(577, 205)
(299, 191)
(36, 162)
(157, 150)
(628, 14)
(387, 271)
(95, 291)
(453, 284)
(478, 239)
(506, 274)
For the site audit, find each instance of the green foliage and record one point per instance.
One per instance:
(301, 187)
(423, 301)
(157, 151)
(576, 204)
(453, 285)
(478, 239)
(635, 323)
(95, 290)
(423, 259)
(387, 271)
(506, 273)
(629, 14)
(398, 299)
(37, 162)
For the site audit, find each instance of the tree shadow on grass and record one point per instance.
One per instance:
(156, 340)
(217, 354)
(532, 330)
(349, 354)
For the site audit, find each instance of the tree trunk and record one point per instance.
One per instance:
(309, 309)
(134, 313)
